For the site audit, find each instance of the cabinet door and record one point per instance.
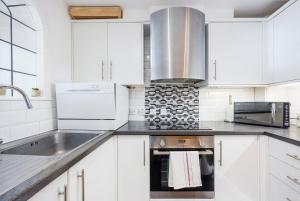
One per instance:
(89, 51)
(94, 177)
(125, 53)
(133, 168)
(55, 191)
(235, 53)
(268, 52)
(237, 168)
(287, 44)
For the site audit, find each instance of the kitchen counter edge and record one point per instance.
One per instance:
(34, 184)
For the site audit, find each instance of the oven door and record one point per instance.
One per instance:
(159, 173)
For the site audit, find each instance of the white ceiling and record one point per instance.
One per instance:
(242, 8)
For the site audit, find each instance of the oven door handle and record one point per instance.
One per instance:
(165, 153)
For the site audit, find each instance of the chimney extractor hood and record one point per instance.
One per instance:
(178, 45)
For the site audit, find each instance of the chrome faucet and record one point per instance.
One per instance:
(26, 99)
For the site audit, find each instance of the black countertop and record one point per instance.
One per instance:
(21, 176)
(291, 135)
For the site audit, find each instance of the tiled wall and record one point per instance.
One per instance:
(212, 102)
(17, 122)
(169, 103)
(285, 93)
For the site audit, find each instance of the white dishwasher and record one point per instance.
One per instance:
(91, 106)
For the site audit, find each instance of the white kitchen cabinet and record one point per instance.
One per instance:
(284, 170)
(235, 53)
(89, 52)
(125, 53)
(94, 177)
(287, 44)
(268, 52)
(108, 52)
(133, 168)
(55, 191)
(237, 168)
(281, 192)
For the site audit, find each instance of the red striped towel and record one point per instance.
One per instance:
(184, 169)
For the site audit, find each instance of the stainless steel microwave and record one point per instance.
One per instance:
(274, 114)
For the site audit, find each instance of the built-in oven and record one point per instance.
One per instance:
(160, 149)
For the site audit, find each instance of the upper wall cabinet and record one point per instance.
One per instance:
(125, 53)
(268, 52)
(108, 52)
(235, 53)
(287, 44)
(89, 51)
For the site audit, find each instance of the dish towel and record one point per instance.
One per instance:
(184, 169)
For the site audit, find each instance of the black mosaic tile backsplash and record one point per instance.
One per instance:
(172, 105)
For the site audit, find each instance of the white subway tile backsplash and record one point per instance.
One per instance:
(5, 134)
(10, 118)
(48, 125)
(5, 106)
(212, 102)
(285, 94)
(24, 130)
(16, 121)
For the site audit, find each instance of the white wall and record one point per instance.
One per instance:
(56, 49)
(19, 122)
(285, 93)
(212, 102)
(55, 66)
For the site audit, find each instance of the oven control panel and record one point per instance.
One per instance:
(167, 142)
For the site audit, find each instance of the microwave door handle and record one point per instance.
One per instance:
(273, 113)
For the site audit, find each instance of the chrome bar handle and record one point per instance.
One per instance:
(296, 181)
(165, 153)
(144, 151)
(293, 156)
(82, 184)
(102, 66)
(215, 64)
(64, 193)
(221, 153)
(110, 70)
(273, 112)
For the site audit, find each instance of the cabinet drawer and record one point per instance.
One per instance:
(281, 192)
(286, 152)
(287, 174)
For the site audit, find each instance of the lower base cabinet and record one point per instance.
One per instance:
(236, 168)
(94, 177)
(91, 179)
(281, 192)
(133, 168)
(57, 190)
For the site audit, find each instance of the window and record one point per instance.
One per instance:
(18, 45)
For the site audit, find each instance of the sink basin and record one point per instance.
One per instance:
(54, 144)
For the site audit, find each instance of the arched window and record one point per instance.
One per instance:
(18, 44)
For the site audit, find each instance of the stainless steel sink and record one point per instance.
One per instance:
(54, 144)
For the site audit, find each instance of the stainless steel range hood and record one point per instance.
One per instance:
(178, 46)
